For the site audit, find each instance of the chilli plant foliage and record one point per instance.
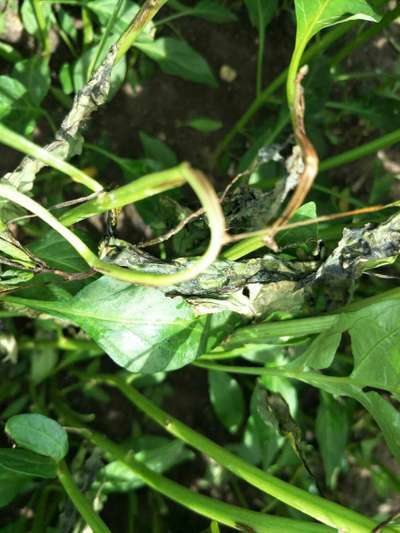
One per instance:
(263, 268)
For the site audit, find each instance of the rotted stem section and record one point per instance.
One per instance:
(208, 199)
(309, 156)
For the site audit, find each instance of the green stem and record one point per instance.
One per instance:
(319, 46)
(18, 142)
(208, 199)
(80, 501)
(361, 151)
(146, 13)
(294, 66)
(41, 22)
(223, 513)
(311, 378)
(144, 187)
(260, 53)
(106, 34)
(322, 510)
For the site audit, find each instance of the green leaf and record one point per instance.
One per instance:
(386, 416)
(227, 399)
(213, 11)
(39, 434)
(117, 477)
(104, 10)
(377, 354)
(314, 15)
(261, 12)
(204, 124)
(11, 485)
(43, 362)
(11, 90)
(157, 150)
(140, 328)
(58, 253)
(177, 58)
(303, 238)
(321, 352)
(28, 15)
(65, 77)
(332, 428)
(34, 74)
(27, 463)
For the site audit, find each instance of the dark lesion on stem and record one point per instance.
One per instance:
(309, 157)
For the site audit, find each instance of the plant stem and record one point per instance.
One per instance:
(18, 142)
(146, 13)
(260, 53)
(208, 199)
(223, 513)
(80, 501)
(144, 187)
(319, 46)
(260, 100)
(361, 151)
(322, 510)
(41, 22)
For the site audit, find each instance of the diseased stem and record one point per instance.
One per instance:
(144, 187)
(80, 501)
(18, 142)
(207, 197)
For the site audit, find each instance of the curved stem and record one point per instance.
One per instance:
(18, 142)
(208, 199)
(319, 46)
(80, 501)
(327, 512)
